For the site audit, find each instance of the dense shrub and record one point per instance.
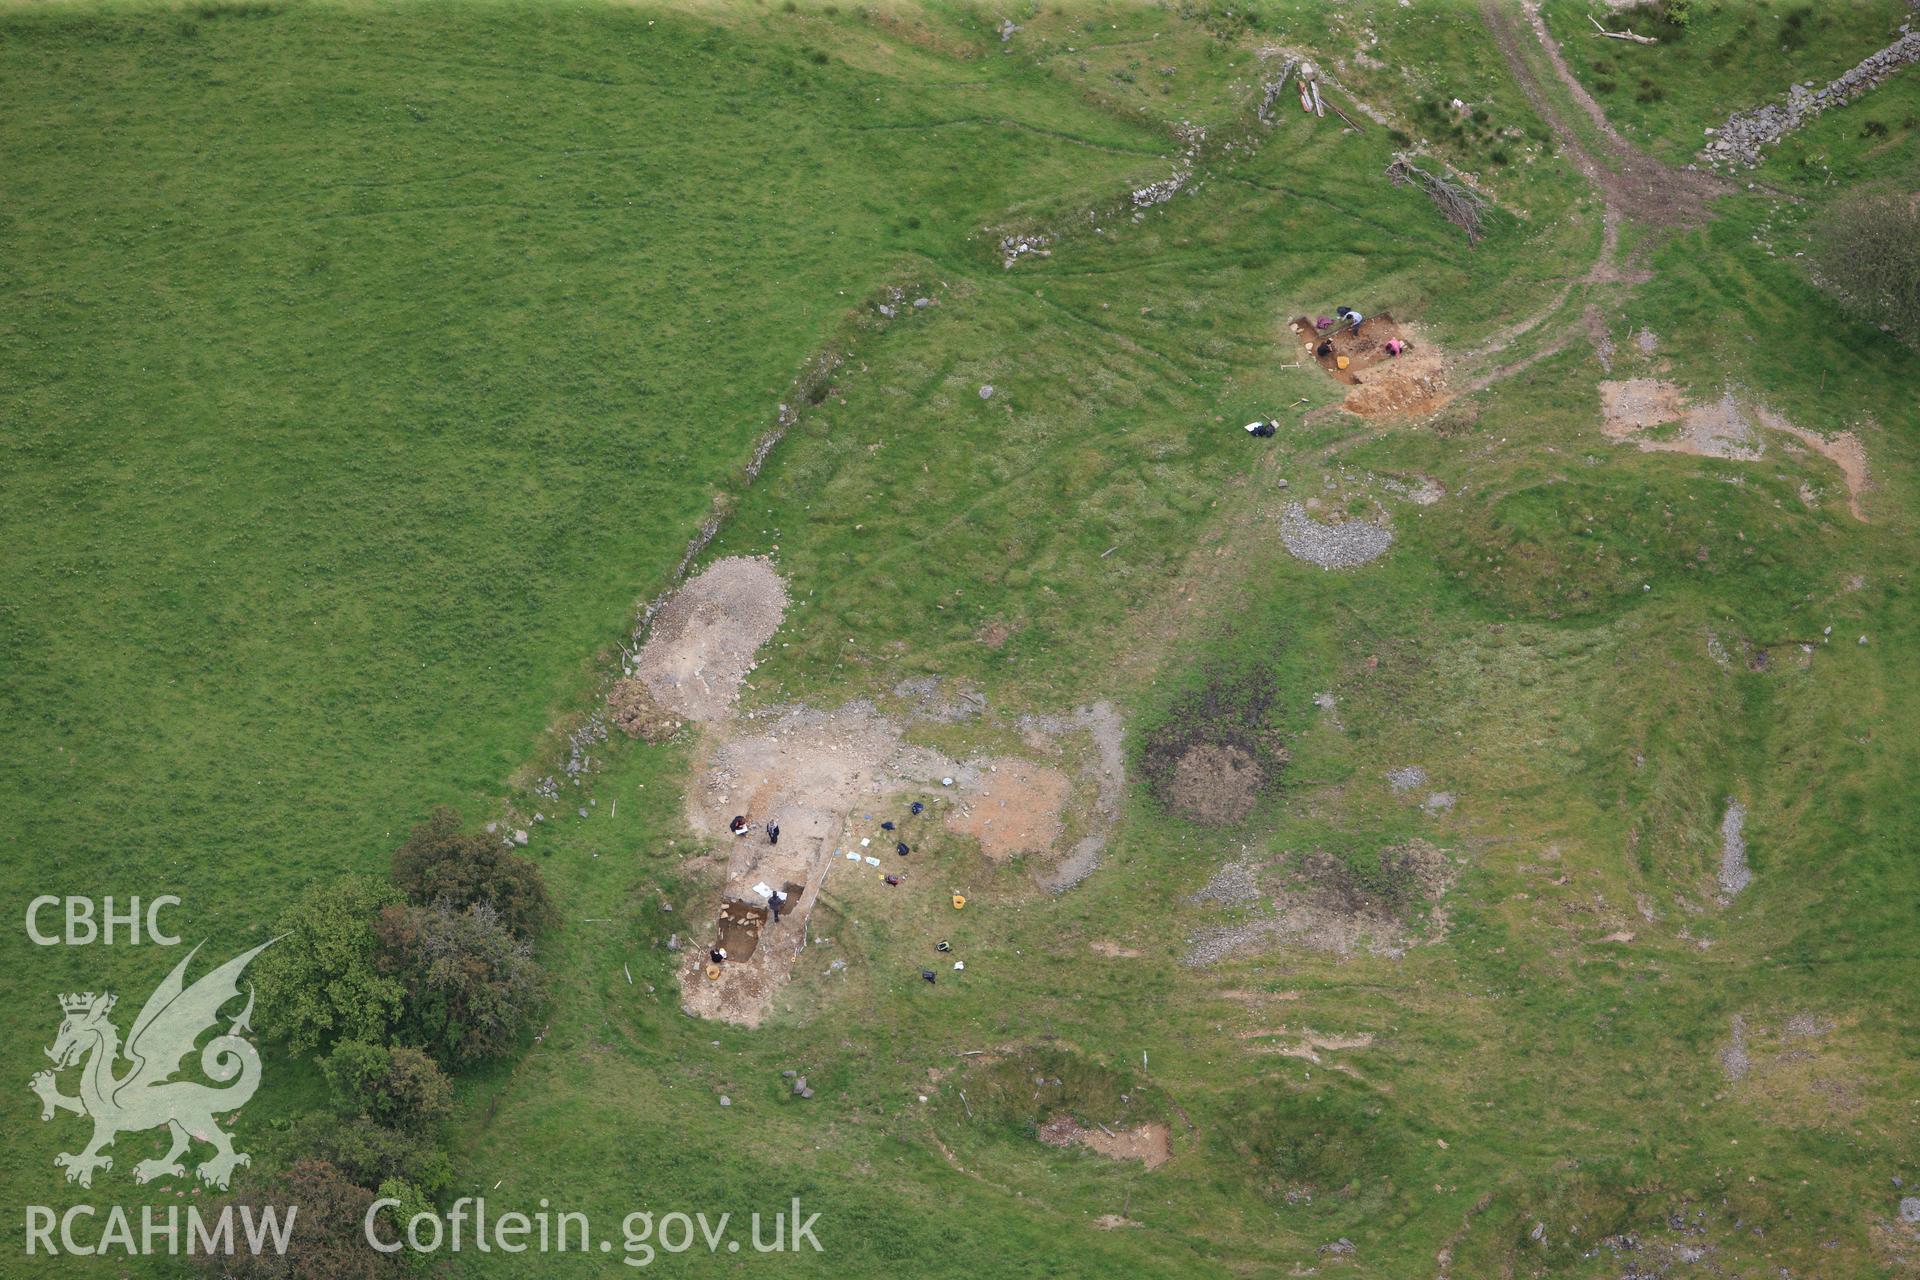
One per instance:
(1867, 248)
(440, 863)
(319, 982)
(396, 1086)
(472, 985)
(327, 1241)
(367, 1154)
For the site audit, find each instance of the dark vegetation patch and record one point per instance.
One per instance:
(1392, 887)
(1297, 1145)
(1218, 750)
(1866, 248)
(1022, 1090)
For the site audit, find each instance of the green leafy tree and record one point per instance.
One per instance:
(472, 985)
(399, 1086)
(394, 1218)
(440, 863)
(321, 981)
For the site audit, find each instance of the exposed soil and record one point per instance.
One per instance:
(1843, 450)
(1113, 1222)
(828, 779)
(1305, 1043)
(631, 707)
(1152, 1144)
(1112, 950)
(739, 929)
(805, 768)
(1724, 428)
(1216, 753)
(702, 643)
(1717, 430)
(1383, 385)
(1017, 810)
(1108, 767)
(1638, 403)
(1215, 783)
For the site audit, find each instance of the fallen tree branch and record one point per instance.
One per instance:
(1463, 206)
(1620, 35)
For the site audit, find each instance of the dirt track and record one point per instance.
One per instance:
(1632, 185)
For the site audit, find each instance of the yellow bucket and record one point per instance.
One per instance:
(1340, 362)
(958, 902)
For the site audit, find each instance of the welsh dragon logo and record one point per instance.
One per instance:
(146, 1096)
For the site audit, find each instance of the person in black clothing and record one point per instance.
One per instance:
(776, 900)
(773, 833)
(718, 955)
(739, 826)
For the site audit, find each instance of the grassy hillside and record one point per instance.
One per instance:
(364, 366)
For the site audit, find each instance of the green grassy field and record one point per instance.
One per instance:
(363, 366)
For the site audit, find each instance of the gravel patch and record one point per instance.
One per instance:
(1212, 945)
(1332, 546)
(1910, 1209)
(1234, 883)
(1808, 1025)
(1438, 802)
(1406, 777)
(1735, 875)
(1734, 1059)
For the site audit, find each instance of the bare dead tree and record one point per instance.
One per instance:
(1462, 205)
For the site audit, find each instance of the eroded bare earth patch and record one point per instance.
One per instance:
(1658, 417)
(702, 644)
(1017, 810)
(1318, 901)
(1151, 1144)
